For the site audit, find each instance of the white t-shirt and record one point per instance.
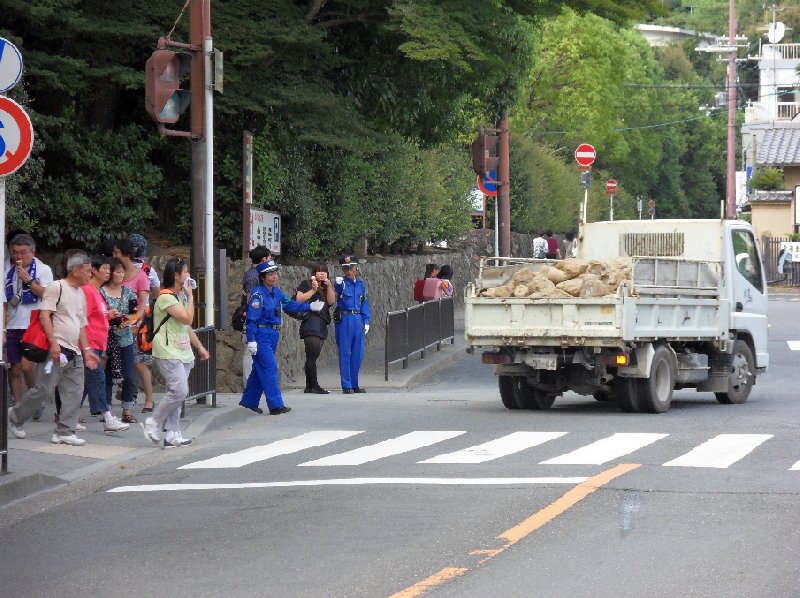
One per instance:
(19, 317)
(69, 312)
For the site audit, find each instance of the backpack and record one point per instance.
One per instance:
(147, 331)
(239, 317)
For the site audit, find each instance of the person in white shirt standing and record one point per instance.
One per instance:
(26, 281)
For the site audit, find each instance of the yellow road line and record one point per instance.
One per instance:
(521, 530)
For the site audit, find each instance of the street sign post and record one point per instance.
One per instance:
(16, 136)
(10, 65)
(585, 154)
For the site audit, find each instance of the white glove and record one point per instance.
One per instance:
(252, 347)
(190, 284)
(366, 329)
(339, 280)
(317, 305)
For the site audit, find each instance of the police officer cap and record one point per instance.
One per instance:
(267, 267)
(348, 261)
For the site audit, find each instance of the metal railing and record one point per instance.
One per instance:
(415, 329)
(203, 377)
(770, 249)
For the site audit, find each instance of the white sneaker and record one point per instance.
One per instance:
(79, 427)
(15, 429)
(150, 430)
(112, 424)
(176, 439)
(71, 440)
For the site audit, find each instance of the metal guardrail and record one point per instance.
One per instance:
(203, 377)
(415, 329)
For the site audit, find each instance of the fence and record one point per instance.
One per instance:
(203, 377)
(770, 248)
(415, 329)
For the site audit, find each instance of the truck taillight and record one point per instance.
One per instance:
(618, 359)
(622, 360)
(491, 357)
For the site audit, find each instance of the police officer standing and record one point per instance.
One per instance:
(263, 332)
(352, 318)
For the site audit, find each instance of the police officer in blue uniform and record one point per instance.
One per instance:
(352, 318)
(263, 331)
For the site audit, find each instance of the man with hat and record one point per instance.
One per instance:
(263, 332)
(352, 317)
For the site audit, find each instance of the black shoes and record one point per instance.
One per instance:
(359, 390)
(280, 410)
(347, 391)
(258, 410)
(317, 390)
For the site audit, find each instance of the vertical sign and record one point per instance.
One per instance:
(247, 189)
(265, 229)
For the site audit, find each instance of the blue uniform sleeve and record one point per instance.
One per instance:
(253, 314)
(292, 305)
(366, 312)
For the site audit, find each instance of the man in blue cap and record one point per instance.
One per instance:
(352, 317)
(263, 332)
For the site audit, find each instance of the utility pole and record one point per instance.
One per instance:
(730, 186)
(503, 206)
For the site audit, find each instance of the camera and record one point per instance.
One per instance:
(14, 301)
(115, 321)
(277, 312)
(132, 305)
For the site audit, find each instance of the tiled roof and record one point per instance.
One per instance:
(770, 197)
(780, 147)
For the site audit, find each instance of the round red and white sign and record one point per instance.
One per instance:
(585, 155)
(16, 136)
(611, 185)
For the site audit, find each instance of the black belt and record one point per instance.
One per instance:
(273, 326)
(348, 311)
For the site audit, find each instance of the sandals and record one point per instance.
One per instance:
(128, 418)
(147, 410)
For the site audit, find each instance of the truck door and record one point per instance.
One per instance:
(750, 303)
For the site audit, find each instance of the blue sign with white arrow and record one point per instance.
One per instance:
(10, 65)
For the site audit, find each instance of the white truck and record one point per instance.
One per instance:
(692, 315)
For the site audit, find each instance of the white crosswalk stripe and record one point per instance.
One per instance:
(794, 345)
(273, 449)
(606, 449)
(721, 451)
(795, 467)
(501, 447)
(387, 448)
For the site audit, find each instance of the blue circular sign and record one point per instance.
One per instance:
(10, 65)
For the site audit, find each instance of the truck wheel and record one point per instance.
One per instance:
(509, 392)
(741, 376)
(602, 395)
(655, 391)
(626, 390)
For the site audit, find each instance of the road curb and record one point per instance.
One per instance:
(17, 486)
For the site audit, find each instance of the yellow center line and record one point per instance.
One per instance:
(521, 530)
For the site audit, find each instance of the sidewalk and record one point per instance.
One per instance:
(36, 465)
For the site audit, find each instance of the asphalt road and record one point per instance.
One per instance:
(340, 500)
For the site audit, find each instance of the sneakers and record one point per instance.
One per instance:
(176, 439)
(280, 410)
(79, 427)
(150, 430)
(16, 430)
(71, 440)
(112, 424)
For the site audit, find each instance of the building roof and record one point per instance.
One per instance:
(766, 197)
(780, 147)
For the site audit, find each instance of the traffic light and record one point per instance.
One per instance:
(165, 101)
(483, 161)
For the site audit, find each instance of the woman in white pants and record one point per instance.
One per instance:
(173, 312)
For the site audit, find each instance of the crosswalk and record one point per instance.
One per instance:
(719, 452)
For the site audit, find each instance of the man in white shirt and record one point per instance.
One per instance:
(25, 282)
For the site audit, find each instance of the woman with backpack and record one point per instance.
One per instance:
(173, 339)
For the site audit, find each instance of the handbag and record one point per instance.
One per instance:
(34, 345)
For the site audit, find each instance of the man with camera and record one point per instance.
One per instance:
(26, 280)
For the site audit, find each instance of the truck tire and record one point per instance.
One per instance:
(602, 395)
(741, 376)
(655, 391)
(516, 393)
(509, 392)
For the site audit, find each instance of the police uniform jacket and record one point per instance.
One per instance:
(264, 309)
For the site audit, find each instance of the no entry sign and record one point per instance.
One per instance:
(611, 185)
(16, 136)
(585, 155)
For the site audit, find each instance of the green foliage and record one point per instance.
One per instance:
(766, 179)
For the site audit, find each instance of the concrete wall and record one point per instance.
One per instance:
(772, 220)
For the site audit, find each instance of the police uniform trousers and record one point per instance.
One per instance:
(263, 378)
(350, 340)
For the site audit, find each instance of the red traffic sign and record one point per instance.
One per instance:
(16, 136)
(651, 204)
(611, 185)
(488, 184)
(585, 155)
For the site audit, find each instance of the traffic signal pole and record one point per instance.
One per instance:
(503, 206)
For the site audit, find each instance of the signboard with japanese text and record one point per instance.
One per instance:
(265, 229)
